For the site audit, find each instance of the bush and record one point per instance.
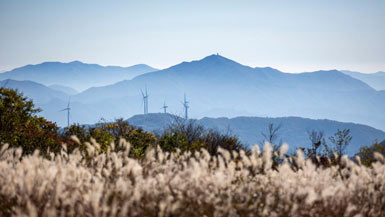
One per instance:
(21, 127)
(107, 133)
(186, 135)
(367, 153)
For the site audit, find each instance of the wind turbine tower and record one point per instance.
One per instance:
(165, 107)
(68, 112)
(145, 101)
(186, 107)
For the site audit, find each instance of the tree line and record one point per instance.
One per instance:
(20, 126)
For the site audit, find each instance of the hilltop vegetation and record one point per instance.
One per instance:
(293, 131)
(21, 127)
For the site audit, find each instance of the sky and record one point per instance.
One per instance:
(293, 36)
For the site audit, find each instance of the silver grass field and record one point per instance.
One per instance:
(92, 183)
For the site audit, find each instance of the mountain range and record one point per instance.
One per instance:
(375, 80)
(215, 86)
(221, 87)
(39, 93)
(293, 130)
(64, 89)
(75, 75)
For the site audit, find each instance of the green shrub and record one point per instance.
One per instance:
(366, 153)
(107, 133)
(21, 127)
(187, 135)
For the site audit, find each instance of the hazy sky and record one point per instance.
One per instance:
(292, 36)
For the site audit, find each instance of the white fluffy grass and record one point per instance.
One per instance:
(172, 184)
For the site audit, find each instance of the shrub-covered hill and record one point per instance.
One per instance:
(294, 130)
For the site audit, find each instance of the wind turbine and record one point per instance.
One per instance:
(5, 85)
(165, 107)
(186, 107)
(145, 100)
(68, 112)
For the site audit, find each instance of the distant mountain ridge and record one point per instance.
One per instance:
(293, 129)
(216, 86)
(64, 89)
(76, 75)
(216, 83)
(38, 92)
(216, 69)
(376, 80)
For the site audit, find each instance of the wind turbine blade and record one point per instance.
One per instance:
(6, 83)
(62, 110)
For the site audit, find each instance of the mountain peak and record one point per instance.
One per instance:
(332, 72)
(76, 62)
(216, 57)
(143, 67)
(216, 60)
(269, 70)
